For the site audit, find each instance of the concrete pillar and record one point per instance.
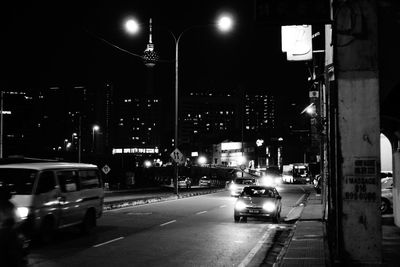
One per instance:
(356, 71)
(396, 187)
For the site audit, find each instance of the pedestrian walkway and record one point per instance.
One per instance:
(307, 245)
(390, 242)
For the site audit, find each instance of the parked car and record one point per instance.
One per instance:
(184, 182)
(258, 201)
(386, 195)
(53, 195)
(317, 183)
(205, 181)
(237, 185)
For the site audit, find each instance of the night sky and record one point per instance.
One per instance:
(59, 43)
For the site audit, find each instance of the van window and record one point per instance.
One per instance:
(19, 181)
(68, 181)
(89, 179)
(46, 182)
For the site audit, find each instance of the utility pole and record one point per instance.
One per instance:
(80, 139)
(355, 41)
(1, 123)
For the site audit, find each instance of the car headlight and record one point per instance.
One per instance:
(233, 187)
(278, 180)
(22, 212)
(269, 206)
(240, 205)
(267, 180)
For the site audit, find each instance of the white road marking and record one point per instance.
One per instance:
(223, 206)
(254, 251)
(113, 240)
(201, 212)
(168, 223)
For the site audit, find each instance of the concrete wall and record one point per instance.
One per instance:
(396, 187)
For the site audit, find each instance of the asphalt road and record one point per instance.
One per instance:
(195, 231)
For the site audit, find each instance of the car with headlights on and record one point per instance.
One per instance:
(205, 181)
(270, 177)
(53, 195)
(259, 202)
(237, 185)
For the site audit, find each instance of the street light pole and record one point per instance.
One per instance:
(150, 57)
(176, 104)
(94, 129)
(80, 139)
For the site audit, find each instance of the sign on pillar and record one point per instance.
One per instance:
(178, 157)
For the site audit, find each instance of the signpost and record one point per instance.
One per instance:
(177, 156)
(106, 169)
(179, 159)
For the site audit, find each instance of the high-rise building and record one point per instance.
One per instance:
(209, 118)
(259, 113)
(139, 124)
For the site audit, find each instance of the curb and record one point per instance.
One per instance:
(283, 251)
(143, 201)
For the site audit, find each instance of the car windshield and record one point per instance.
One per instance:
(244, 181)
(258, 192)
(20, 181)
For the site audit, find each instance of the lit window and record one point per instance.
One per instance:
(248, 127)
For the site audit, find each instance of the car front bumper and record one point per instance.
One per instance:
(256, 213)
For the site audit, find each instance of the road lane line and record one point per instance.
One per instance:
(201, 212)
(223, 206)
(257, 247)
(105, 243)
(168, 223)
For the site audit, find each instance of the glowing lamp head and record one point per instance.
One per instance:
(147, 163)
(225, 23)
(132, 26)
(202, 160)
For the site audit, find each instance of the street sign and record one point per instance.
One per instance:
(106, 169)
(177, 156)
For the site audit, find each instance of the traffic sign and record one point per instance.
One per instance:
(106, 169)
(177, 156)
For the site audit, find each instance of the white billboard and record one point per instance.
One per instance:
(297, 42)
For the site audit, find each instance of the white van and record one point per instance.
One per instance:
(53, 195)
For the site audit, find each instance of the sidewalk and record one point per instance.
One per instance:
(307, 246)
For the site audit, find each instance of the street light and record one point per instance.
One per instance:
(95, 128)
(202, 160)
(224, 24)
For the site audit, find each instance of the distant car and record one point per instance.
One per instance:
(205, 181)
(271, 177)
(386, 174)
(258, 201)
(237, 185)
(386, 195)
(184, 182)
(317, 183)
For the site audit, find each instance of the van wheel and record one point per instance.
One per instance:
(47, 231)
(89, 222)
